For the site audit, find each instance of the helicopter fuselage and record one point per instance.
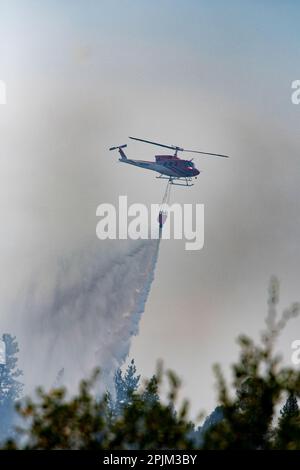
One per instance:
(168, 165)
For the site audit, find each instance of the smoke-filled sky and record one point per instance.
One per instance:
(212, 75)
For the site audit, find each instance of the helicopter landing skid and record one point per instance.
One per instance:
(183, 181)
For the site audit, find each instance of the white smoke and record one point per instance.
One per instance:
(87, 317)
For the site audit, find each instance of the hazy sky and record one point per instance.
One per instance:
(83, 75)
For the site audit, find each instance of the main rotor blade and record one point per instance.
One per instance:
(172, 147)
(207, 153)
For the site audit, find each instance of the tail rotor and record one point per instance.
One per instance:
(120, 149)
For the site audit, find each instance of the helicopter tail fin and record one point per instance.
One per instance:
(121, 152)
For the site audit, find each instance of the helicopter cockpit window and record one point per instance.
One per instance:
(190, 164)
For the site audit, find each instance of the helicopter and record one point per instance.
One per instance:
(170, 167)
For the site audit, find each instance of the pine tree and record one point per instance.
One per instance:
(288, 431)
(150, 394)
(125, 385)
(212, 420)
(290, 409)
(10, 387)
